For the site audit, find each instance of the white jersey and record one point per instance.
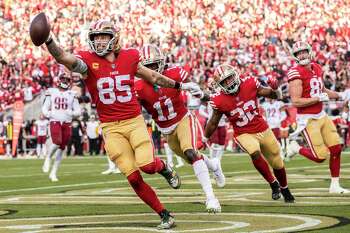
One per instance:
(92, 129)
(273, 113)
(42, 127)
(60, 105)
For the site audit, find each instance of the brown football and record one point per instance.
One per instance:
(39, 29)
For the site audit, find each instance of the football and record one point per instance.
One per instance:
(39, 29)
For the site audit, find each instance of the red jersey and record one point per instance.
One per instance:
(312, 84)
(111, 84)
(242, 108)
(166, 105)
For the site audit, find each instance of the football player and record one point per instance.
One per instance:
(42, 130)
(60, 106)
(168, 110)
(308, 93)
(108, 71)
(237, 99)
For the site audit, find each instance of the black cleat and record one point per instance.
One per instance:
(288, 197)
(171, 176)
(276, 193)
(167, 220)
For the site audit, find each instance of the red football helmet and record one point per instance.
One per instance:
(227, 78)
(153, 58)
(302, 46)
(104, 27)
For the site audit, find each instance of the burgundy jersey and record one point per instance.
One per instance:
(312, 84)
(111, 84)
(242, 108)
(166, 105)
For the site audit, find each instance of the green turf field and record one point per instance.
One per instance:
(86, 201)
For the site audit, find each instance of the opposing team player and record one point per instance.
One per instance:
(308, 93)
(168, 110)
(237, 99)
(108, 72)
(60, 106)
(42, 130)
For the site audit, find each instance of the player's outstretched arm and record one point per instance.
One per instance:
(212, 123)
(295, 92)
(334, 94)
(70, 61)
(268, 92)
(163, 81)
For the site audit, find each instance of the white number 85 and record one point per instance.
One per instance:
(107, 93)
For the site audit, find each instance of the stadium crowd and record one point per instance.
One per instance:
(255, 35)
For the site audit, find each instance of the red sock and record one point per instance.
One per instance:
(144, 191)
(156, 166)
(281, 177)
(334, 160)
(307, 153)
(261, 165)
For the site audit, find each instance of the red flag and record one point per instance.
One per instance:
(18, 108)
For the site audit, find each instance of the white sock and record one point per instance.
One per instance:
(57, 162)
(111, 164)
(52, 150)
(38, 150)
(179, 160)
(230, 145)
(335, 181)
(218, 151)
(283, 144)
(209, 162)
(169, 154)
(43, 151)
(202, 173)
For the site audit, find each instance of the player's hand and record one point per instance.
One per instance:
(197, 93)
(343, 96)
(323, 97)
(190, 86)
(278, 93)
(272, 82)
(203, 143)
(70, 113)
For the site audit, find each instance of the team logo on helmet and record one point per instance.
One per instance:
(153, 58)
(297, 48)
(104, 27)
(226, 77)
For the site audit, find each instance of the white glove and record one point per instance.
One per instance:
(197, 93)
(69, 112)
(190, 86)
(323, 97)
(279, 94)
(205, 139)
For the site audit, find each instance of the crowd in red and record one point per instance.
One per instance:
(253, 34)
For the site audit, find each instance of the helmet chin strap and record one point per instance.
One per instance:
(64, 86)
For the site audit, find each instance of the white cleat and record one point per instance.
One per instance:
(213, 206)
(53, 178)
(108, 172)
(292, 149)
(218, 174)
(116, 171)
(46, 166)
(338, 190)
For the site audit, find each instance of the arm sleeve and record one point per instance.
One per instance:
(76, 107)
(46, 108)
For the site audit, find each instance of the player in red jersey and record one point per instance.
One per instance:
(237, 99)
(179, 126)
(108, 72)
(308, 93)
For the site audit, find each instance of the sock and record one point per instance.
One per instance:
(281, 177)
(202, 173)
(44, 151)
(283, 144)
(210, 163)
(307, 153)
(263, 168)
(179, 160)
(334, 160)
(218, 151)
(169, 154)
(145, 192)
(111, 164)
(335, 181)
(38, 150)
(57, 162)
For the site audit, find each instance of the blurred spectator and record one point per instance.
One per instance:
(92, 135)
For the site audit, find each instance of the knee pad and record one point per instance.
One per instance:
(192, 156)
(335, 150)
